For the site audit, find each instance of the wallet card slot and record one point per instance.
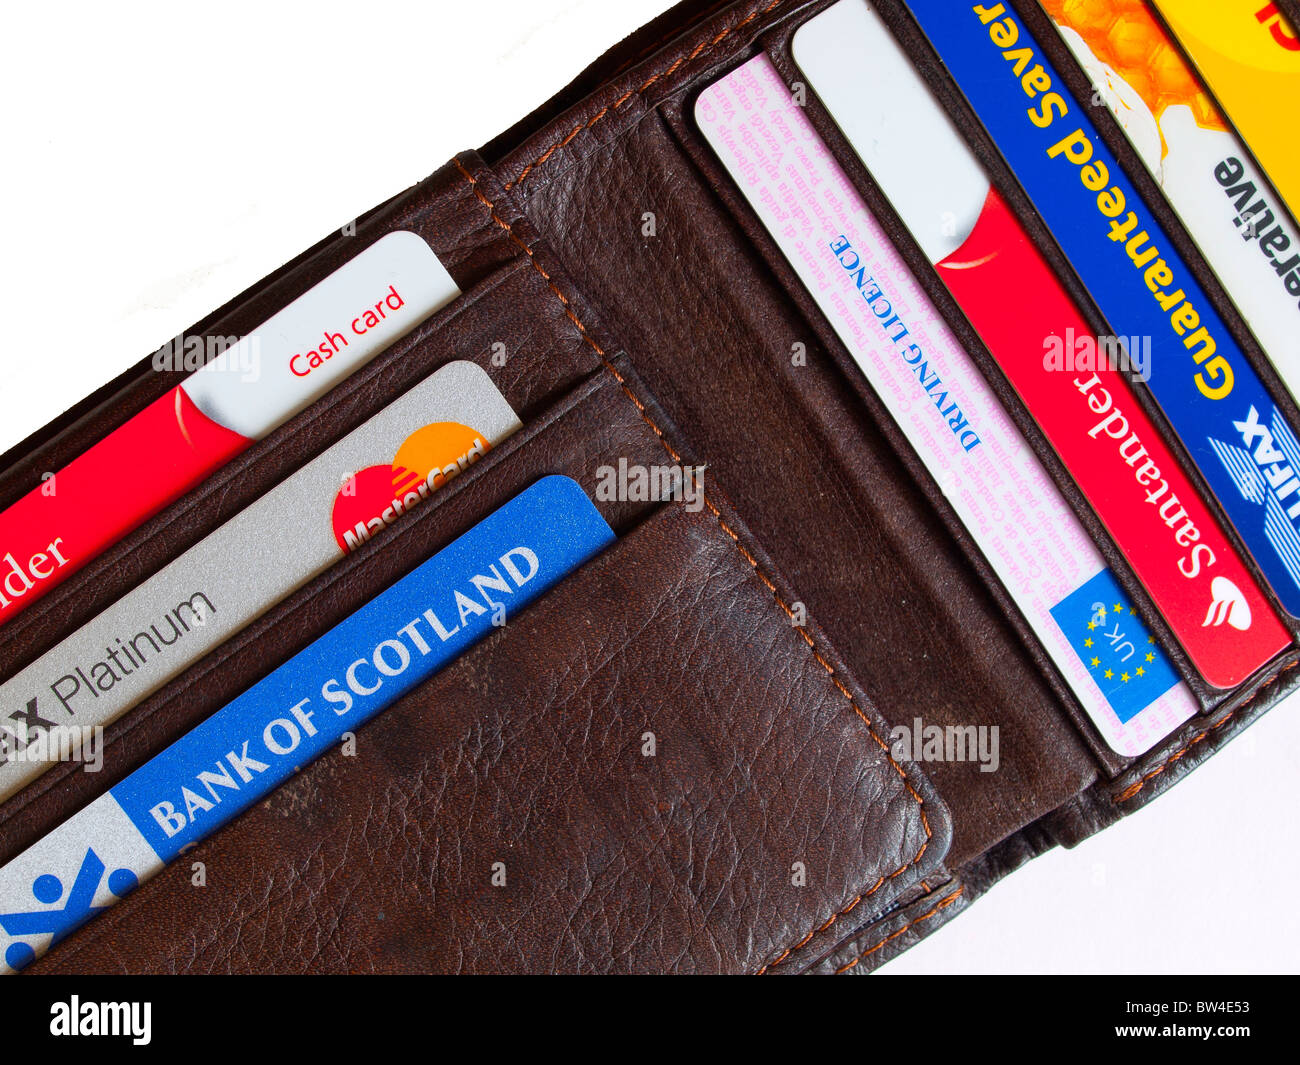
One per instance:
(1212, 701)
(648, 769)
(510, 324)
(570, 437)
(722, 182)
(713, 332)
(1133, 780)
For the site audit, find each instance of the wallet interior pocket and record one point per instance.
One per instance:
(821, 485)
(751, 405)
(593, 419)
(650, 769)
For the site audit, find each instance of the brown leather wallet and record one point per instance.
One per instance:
(774, 830)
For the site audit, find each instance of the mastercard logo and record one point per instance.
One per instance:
(377, 496)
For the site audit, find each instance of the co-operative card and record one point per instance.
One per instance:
(931, 387)
(1249, 54)
(295, 714)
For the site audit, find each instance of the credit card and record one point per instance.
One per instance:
(1218, 192)
(1207, 390)
(1082, 402)
(295, 714)
(343, 497)
(237, 397)
(945, 408)
(1248, 52)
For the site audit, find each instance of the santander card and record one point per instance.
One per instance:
(221, 409)
(931, 387)
(1079, 396)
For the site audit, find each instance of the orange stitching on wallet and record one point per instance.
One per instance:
(702, 47)
(942, 904)
(1177, 756)
(664, 38)
(748, 557)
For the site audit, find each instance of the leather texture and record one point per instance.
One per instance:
(772, 831)
(527, 758)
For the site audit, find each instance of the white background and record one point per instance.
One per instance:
(161, 157)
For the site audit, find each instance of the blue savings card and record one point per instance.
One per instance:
(364, 664)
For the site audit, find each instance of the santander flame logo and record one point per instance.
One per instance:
(1229, 605)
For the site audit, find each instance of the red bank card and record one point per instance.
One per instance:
(1114, 452)
(221, 409)
(105, 492)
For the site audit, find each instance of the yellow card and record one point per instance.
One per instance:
(1249, 55)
